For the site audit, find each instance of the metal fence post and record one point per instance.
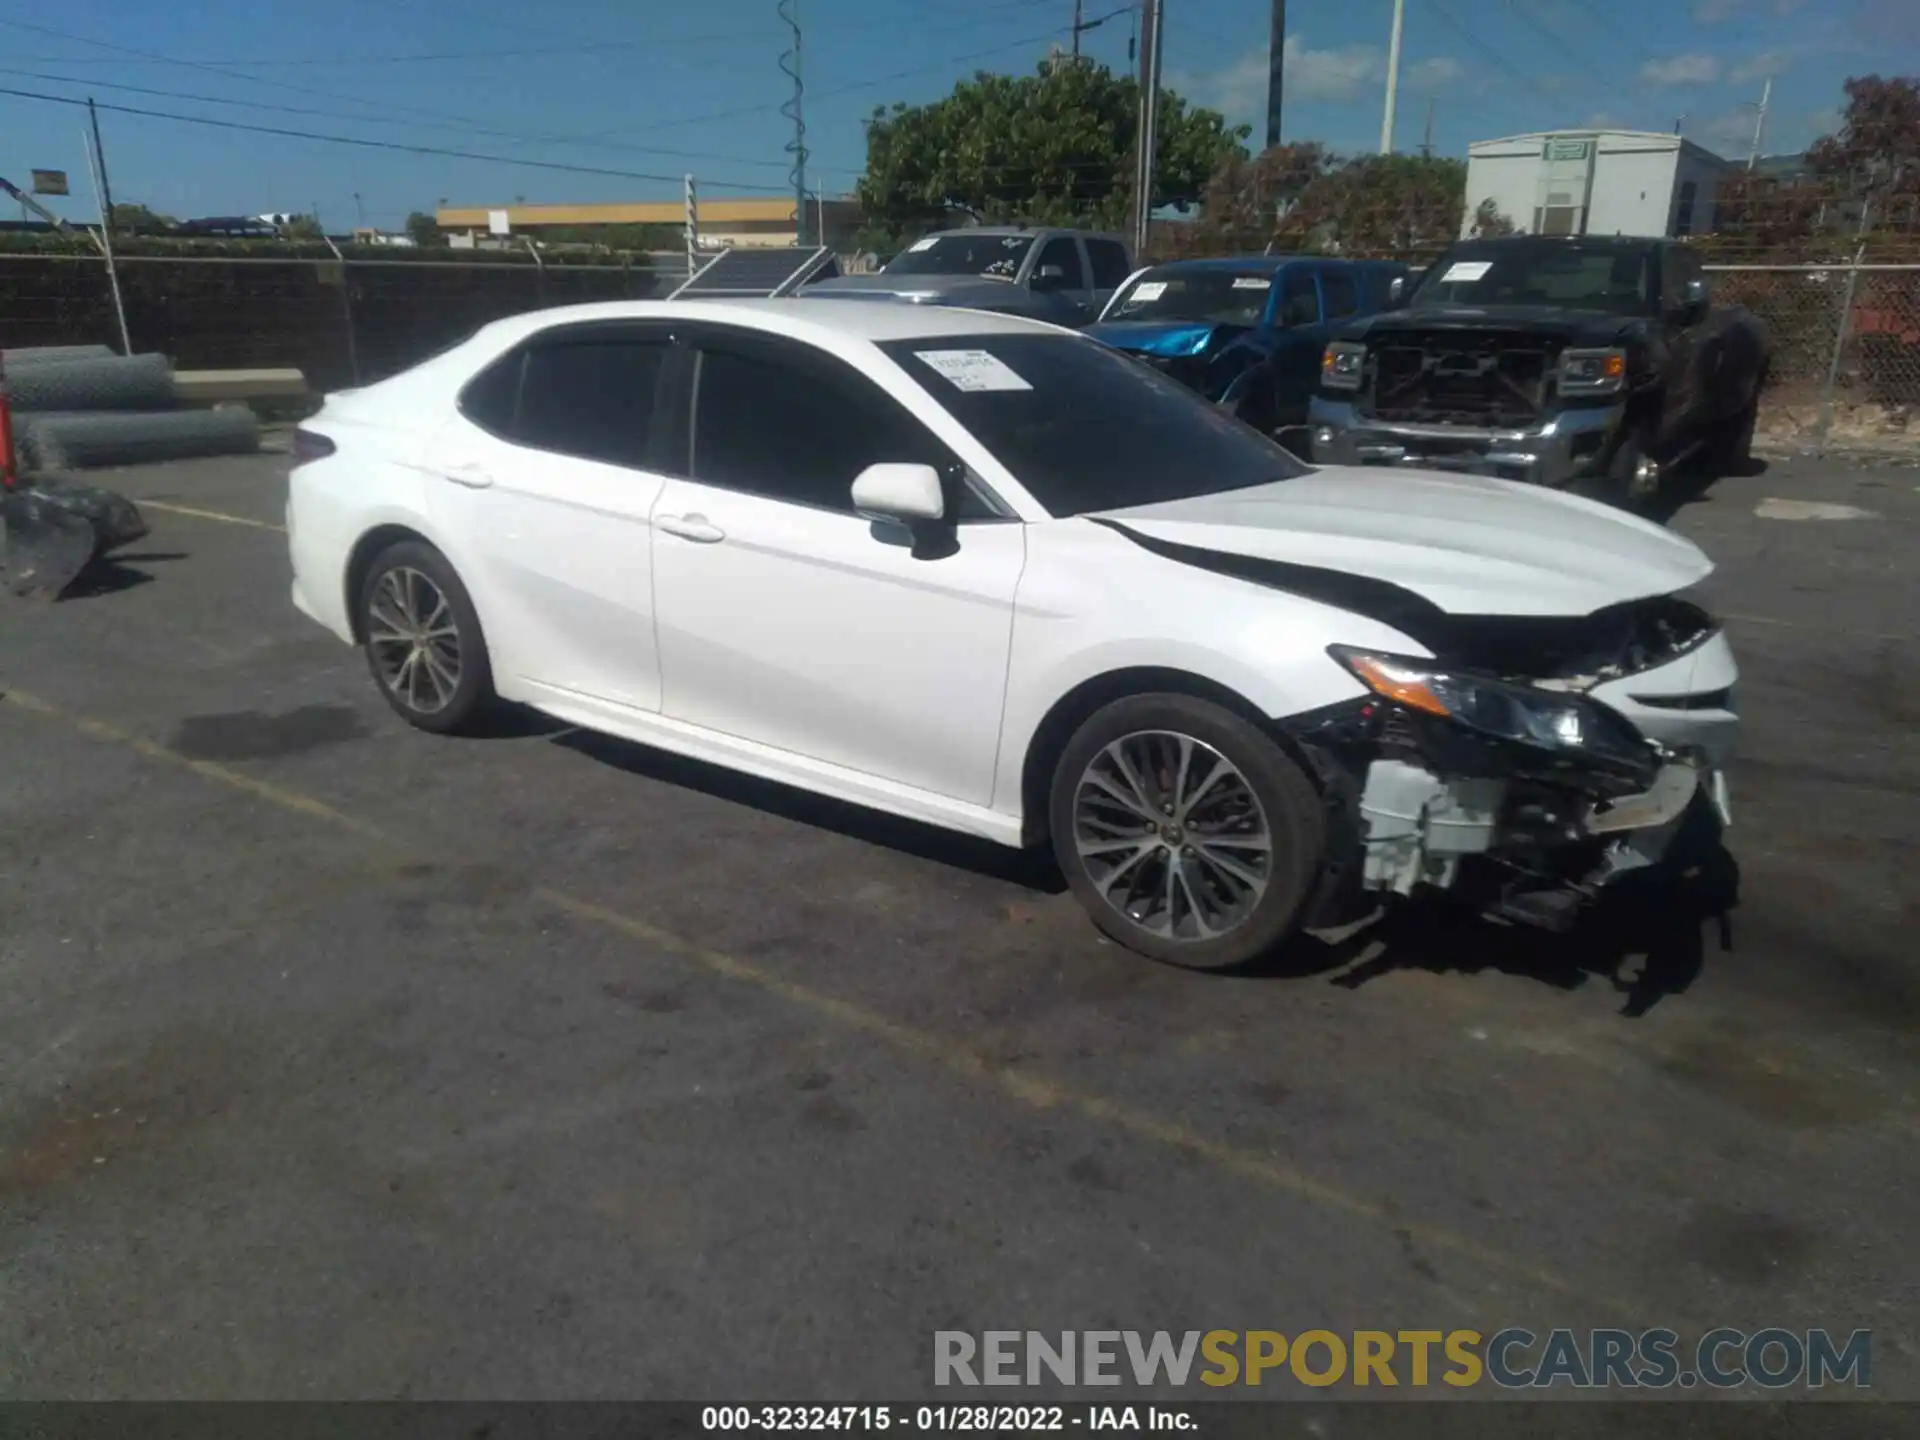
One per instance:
(540, 267)
(96, 165)
(1841, 326)
(346, 307)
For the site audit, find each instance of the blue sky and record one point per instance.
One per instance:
(651, 89)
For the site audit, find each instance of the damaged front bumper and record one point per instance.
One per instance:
(1559, 449)
(1526, 832)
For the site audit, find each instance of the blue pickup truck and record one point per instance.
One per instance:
(1246, 331)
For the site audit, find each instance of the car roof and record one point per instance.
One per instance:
(817, 319)
(993, 231)
(1245, 262)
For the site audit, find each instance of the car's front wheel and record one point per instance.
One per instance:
(422, 638)
(1188, 834)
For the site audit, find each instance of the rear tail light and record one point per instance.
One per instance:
(310, 445)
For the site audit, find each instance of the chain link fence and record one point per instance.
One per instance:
(1845, 344)
(341, 322)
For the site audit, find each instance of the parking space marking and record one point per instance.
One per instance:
(1030, 1090)
(220, 515)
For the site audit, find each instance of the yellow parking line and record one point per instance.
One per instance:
(1030, 1090)
(219, 515)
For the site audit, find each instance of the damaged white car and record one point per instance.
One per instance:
(994, 576)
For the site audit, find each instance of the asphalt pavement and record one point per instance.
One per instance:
(339, 1060)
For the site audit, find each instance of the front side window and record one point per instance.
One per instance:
(1065, 254)
(793, 425)
(1299, 300)
(1342, 295)
(1212, 294)
(1084, 427)
(996, 256)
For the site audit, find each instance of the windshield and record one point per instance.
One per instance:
(1084, 427)
(1562, 273)
(1219, 297)
(998, 256)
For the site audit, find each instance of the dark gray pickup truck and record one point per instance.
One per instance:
(1598, 363)
(1062, 276)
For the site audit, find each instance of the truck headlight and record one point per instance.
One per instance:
(1549, 719)
(1341, 364)
(1592, 372)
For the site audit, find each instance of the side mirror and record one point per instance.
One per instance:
(1050, 277)
(903, 494)
(1694, 298)
(1396, 293)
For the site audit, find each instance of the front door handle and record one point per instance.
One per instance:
(696, 528)
(471, 476)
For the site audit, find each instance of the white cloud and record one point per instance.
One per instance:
(1729, 134)
(1767, 65)
(1339, 73)
(1695, 69)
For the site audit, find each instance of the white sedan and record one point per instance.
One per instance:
(997, 577)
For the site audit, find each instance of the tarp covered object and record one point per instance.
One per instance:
(50, 532)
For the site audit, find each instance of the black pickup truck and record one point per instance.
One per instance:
(1594, 363)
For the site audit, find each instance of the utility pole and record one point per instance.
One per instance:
(1077, 5)
(1149, 128)
(1393, 76)
(1760, 123)
(100, 159)
(693, 226)
(1276, 69)
(1426, 143)
(1679, 124)
(789, 11)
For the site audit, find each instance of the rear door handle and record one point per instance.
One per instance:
(471, 476)
(691, 527)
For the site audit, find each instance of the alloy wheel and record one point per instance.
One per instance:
(1172, 835)
(414, 640)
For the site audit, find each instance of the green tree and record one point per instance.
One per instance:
(424, 229)
(139, 218)
(1489, 221)
(1054, 147)
(1381, 205)
(304, 227)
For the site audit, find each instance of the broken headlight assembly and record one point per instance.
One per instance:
(1591, 372)
(1341, 365)
(1569, 725)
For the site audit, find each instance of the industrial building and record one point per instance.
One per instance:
(1596, 182)
(723, 223)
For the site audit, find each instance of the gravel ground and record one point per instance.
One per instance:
(337, 1060)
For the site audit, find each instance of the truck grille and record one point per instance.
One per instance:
(1448, 378)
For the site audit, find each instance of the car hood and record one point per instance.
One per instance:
(1468, 544)
(1582, 327)
(1161, 337)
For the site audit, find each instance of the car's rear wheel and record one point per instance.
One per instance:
(1733, 445)
(1188, 834)
(422, 638)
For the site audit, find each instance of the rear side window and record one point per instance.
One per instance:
(492, 396)
(1341, 294)
(1110, 263)
(590, 398)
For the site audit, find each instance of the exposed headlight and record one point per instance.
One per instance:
(1592, 372)
(1551, 719)
(1341, 364)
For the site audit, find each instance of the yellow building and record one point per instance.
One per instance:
(723, 223)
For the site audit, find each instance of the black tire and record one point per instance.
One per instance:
(1295, 821)
(1625, 483)
(413, 698)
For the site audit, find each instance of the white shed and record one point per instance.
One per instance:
(1596, 182)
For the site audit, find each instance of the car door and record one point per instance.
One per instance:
(1692, 357)
(1302, 336)
(1072, 288)
(546, 489)
(786, 619)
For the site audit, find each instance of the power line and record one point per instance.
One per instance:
(1500, 62)
(367, 144)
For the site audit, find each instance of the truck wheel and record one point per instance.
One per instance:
(1733, 445)
(1633, 476)
(1187, 834)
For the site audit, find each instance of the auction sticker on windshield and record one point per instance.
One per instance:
(1251, 282)
(919, 245)
(1149, 290)
(1466, 270)
(972, 369)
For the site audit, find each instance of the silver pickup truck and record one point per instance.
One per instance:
(1063, 276)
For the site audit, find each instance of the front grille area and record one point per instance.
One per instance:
(1459, 378)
